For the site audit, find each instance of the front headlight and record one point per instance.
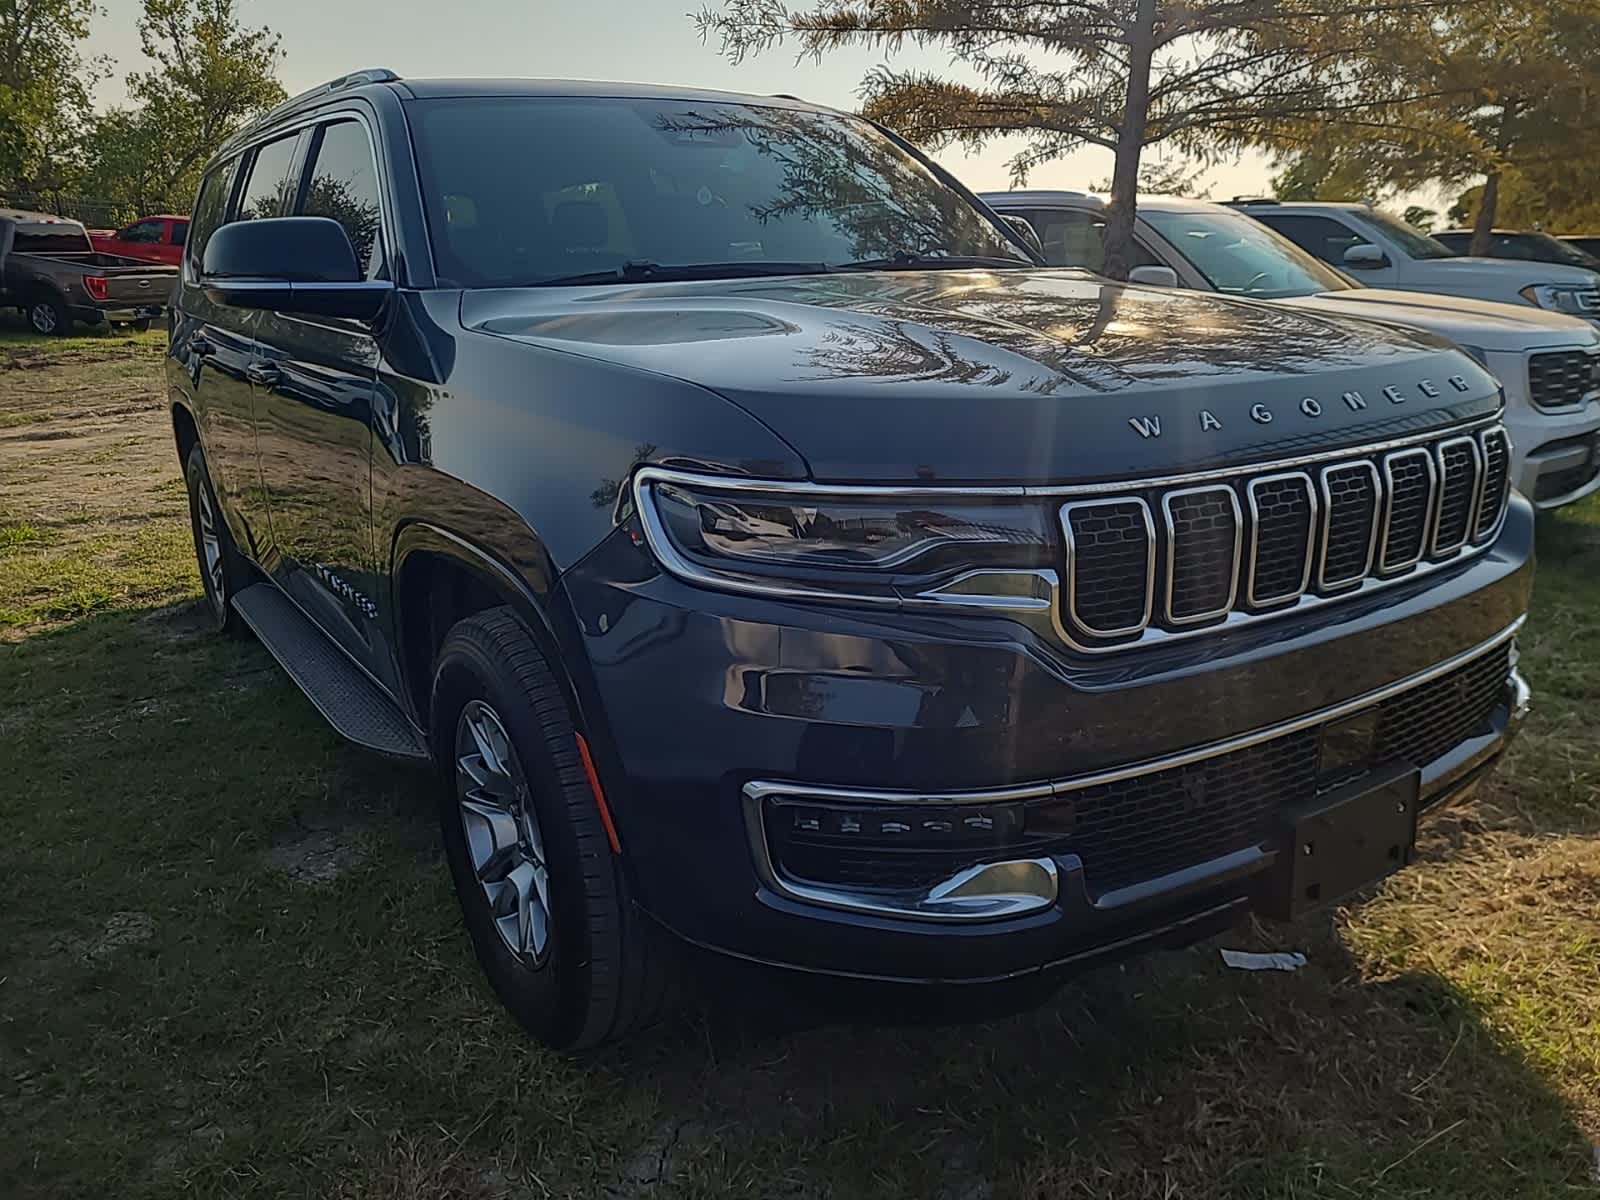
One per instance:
(1576, 299)
(868, 543)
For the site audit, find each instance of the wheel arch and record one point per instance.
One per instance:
(439, 577)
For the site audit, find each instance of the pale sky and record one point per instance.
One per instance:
(650, 41)
(637, 40)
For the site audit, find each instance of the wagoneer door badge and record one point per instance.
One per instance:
(1309, 406)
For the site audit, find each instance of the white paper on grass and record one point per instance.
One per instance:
(1245, 960)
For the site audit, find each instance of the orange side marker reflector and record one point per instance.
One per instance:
(599, 795)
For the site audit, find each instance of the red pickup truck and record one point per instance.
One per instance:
(149, 239)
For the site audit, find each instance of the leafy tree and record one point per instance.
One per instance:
(1422, 218)
(212, 73)
(44, 89)
(1175, 178)
(1497, 91)
(1201, 76)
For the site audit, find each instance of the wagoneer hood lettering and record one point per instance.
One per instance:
(947, 374)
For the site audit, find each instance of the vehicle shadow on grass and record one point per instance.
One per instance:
(231, 937)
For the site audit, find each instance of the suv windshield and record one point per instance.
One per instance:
(524, 191)
(1243, 257)
(1415, 243)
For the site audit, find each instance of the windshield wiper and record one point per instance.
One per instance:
(644, 271)
(905, 260)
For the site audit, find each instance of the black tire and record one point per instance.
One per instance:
(142, 325)
(604, 971)
(47, 315)
(226, 574)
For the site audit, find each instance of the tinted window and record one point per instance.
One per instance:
(209, 207)
(344, 187)
(50, 239)
(269, 190)
(1241, 257)
(1076, 238)
(180, 232)
(1323, 237)
(143, 231)
(528, 190)
(1408, 237)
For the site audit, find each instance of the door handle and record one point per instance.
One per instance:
(263, 375)
(200, 346)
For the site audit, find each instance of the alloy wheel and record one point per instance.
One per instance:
(211, 549)
(504, 841)
(43, 318)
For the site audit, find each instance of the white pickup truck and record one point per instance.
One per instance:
(1386, 252)
(1548, 364)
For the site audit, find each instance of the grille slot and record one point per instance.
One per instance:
(1111, 565)
(1496, 480)
(1412, 479)
(1460, 478)
(1561, 378)
(1283, 518)
(1232, 545)
(1203, 535)
(1349, 523)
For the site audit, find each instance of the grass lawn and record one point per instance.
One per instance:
(231, 964)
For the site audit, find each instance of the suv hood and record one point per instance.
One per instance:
(1028, 376)
(1525, 270)
(1484, 324)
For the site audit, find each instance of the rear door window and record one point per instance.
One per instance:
(1075, 238)
(344, 187)
(269, 190)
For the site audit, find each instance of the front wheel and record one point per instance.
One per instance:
(48, 316)
(542, 894)
(222, 570)
(142, 325)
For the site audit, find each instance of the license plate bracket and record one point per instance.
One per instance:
(1343, 840)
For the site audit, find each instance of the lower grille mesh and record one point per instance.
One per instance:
(1151, 825)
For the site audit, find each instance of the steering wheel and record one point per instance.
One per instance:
(1258, 277)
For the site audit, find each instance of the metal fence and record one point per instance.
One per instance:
(94, 212)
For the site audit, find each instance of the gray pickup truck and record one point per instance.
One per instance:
(54, 275)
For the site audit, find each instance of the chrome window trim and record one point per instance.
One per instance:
(1172, 552)
(755, 792)
(1385, 567)
(1312, 526)
(1378, 497)
(1070, 558)
(1473, 502)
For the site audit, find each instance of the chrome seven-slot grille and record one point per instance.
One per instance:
(1182, 558)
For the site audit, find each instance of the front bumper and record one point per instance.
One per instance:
(716, 703)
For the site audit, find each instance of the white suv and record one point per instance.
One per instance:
(1549, 365)
(1388, 253)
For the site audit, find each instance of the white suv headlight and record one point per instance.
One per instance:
(1579, 300)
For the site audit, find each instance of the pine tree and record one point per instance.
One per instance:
(1200, 76)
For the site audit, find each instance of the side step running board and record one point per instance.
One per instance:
(351, 702)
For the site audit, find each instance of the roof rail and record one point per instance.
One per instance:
(353, 79)
(1254, 200)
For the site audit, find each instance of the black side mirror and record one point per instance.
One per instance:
(1025, 230)
(290, 264)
